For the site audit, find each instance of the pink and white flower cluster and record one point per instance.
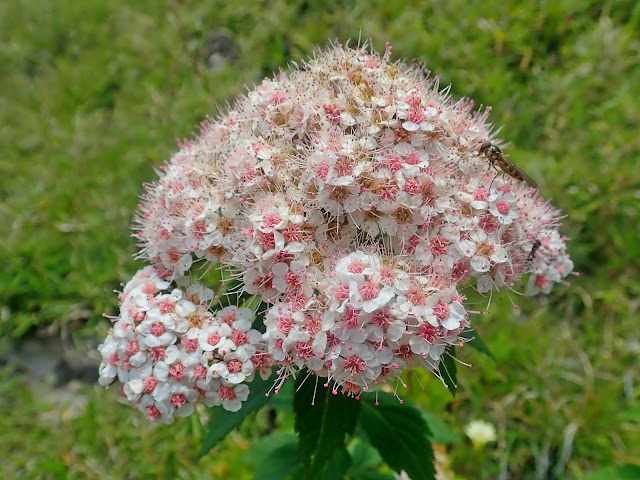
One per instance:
(170, 352)
(350, 198)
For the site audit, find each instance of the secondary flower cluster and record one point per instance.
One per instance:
(350, 198)
(169, 351)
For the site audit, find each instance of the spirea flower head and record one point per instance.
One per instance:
(350, 196)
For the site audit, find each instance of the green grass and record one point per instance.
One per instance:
(93, 95)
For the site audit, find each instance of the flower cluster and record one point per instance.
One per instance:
(169, 351)
(351, 199)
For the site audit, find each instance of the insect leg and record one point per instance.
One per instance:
(496, 176)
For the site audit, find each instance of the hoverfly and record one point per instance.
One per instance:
(496, 157)
(534, 249)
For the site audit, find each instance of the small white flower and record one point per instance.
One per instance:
(480, 433)
(504, 208)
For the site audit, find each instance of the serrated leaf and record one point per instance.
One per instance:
(283, 400)
(321, 427)
(449, 372)
(441, 432)
(400, 434)
(363, 456)
(475, 341)
(336, 467)
(371, 475)
(276, 457)
(223, 421)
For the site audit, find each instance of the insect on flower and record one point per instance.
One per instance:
(496, 157)
(534, 249)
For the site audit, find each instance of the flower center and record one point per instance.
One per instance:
(541, 281)
(412, 159)
(268, 241)
(200, 372)
(344, 166)
(502, 207)
(149, 384)
(153, 413)
(369, 290)
(132, 348)
(304, 350)
(339, 194)
(322, 170)
(416, 115)
(190, 344)
(157, 329)
(234, 365)
(342, 292)
(177, 371)
(239, 337)
(284, 325)
(178, 400)
(382, 318)
(351, 318)
(354, 365)
(441, 310)
(271, 220)
(416, 295)
(157, 353)
(350, 389)
(485, 249)
(412, 186)
(356, 266)
(439, 246)
(481, 194)
(167, 306)
(226, 393)
(403, 215)
(213, 339)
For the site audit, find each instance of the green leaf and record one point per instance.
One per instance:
(223, 421)
(363, 458)
(283, 400)
(372, 475)
(449, 372)
(258, 323)
(442, 433)
(322, 420)
(276, 457)
(400, 434)
(363, 455)
(337, 466)
(234, 294)
(624, 472)
(476, 342)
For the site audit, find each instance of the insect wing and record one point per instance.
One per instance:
(516, 172)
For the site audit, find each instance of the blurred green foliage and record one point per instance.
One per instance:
(93, 94)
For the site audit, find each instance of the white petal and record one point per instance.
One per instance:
(480, 264)
(232, 405)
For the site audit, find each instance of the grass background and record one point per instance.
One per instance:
(92, 97)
